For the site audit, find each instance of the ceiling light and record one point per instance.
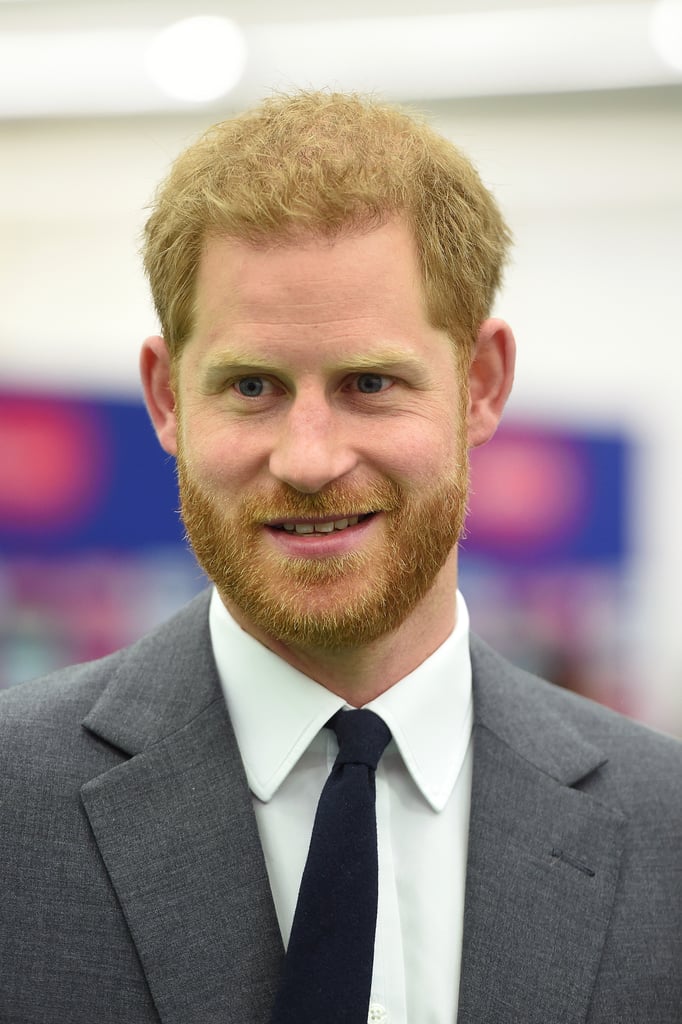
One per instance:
(666, 32)
(197, 59)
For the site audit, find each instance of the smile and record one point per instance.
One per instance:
(328, 526)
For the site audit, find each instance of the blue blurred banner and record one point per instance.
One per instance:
(91, 544)
(83, 474)
(541, 496)
(92, 552)
(77, 475)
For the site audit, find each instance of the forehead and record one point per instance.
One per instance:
(355, 301)
(363, 273)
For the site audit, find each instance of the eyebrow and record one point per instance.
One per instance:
(241, 361)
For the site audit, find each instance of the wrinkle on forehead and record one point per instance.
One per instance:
(291, 274)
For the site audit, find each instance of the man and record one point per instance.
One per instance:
(324, 268)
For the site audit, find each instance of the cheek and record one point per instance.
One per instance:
(422, 453)
(217, 459)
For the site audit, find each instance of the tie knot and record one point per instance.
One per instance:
(362, 736)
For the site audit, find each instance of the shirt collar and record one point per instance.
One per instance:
(429, 711)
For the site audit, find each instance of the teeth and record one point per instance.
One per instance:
(307, 528)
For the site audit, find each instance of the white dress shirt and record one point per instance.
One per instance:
(423, 789)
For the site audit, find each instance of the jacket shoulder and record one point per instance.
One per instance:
(41, 719)
(36, 716)
(639, 768)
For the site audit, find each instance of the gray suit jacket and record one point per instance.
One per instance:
(135, 890)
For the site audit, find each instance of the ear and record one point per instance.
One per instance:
(155, 370)
(491, 376)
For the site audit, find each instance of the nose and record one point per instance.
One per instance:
(313, 447)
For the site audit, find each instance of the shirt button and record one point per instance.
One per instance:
(378, 1014)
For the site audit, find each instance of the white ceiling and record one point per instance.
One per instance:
(88, 58)
(25, 13)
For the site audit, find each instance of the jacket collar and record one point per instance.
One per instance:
(543, 856)
(175, 827)
(510, 704)
(159, 684)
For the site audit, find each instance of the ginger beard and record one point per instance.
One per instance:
(333, 603)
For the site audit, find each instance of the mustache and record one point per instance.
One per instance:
(284, 502)
(336, 500)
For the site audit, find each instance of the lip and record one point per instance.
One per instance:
(320, 545)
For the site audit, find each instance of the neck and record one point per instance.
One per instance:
(360, 674)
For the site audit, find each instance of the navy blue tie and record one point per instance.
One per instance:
(327, 973)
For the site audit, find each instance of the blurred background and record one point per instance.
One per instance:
(572, 114)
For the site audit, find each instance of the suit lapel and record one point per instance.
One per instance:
(543, 860)
(176, 830)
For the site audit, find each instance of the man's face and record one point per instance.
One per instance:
(321, 438)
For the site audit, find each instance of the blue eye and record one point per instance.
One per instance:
(371, 383)
(250, 387)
